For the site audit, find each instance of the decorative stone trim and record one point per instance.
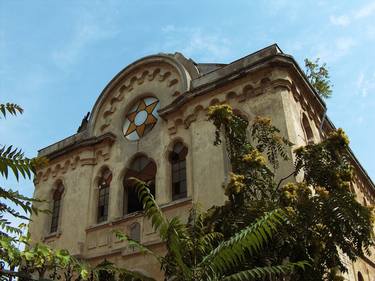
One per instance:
(68, 158)
(304, 102)
(152, 73)
(52, 236)
(246, 92)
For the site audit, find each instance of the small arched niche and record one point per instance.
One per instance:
(135, 231)
(144, 169)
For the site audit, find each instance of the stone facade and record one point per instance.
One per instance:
(267, 83)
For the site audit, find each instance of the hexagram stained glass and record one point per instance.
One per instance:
(141, 118)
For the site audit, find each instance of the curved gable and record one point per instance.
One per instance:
(162, 76)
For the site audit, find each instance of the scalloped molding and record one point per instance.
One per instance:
(246, 92)
(76, 159)
(153, 73)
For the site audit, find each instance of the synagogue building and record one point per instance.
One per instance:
(151, 122)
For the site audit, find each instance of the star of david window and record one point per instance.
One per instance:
(141, 118)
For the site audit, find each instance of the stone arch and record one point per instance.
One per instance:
(137, 73)
(265, 81)
(177, 159)
(241, 114)
(56, 197)
(230, 95)
(143, 168)
(171, 144)
(214, 101)
(247, 89)
(102, 190)
(57, 183)
(98, 174)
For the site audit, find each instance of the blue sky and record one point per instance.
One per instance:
(57, 56)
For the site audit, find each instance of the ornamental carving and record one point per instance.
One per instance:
(141, 118)
(162, 75)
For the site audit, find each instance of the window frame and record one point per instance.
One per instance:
(56, 208)
(139, 168)
(177, 160)
(102, 209)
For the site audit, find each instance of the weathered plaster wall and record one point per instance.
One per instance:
(270, 91)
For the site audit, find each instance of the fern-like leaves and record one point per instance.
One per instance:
(135, 244)
(10, 108)
(231, 253)
(151, 208)
(267, 271)
(123, 274)
(13, 159)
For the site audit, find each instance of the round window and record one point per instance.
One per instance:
(141, 118)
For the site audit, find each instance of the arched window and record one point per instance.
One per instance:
(307, 129)
(360, 277)
(144, 169)
(103, 197)
(57, 194)
(177, 157)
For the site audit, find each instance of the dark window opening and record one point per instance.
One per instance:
(56, 208)
(177, 158)
(143, 169)
(103, 197)
(360, 277)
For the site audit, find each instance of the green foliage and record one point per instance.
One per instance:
(10, 108)
(194, 252)
(338, 222)
(324, 218)
(252, 177)
(41, 260)
(17, 199)
(257, 234)
(318, 76)
(36, 258)
(269, 140)
(13, 159)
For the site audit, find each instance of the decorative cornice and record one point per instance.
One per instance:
(145, 68)
(140, 214)
(107, 137)
(246, 92)
(230, 72)
(368, 261)
(69, 157)
(152, 73)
